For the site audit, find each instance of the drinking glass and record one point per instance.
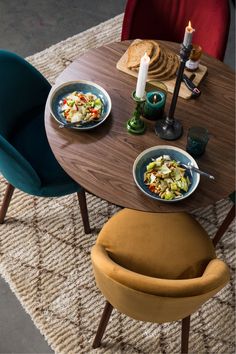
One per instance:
(197, 140)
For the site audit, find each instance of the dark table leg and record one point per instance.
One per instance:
(224, 226)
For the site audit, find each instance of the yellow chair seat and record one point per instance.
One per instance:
(168, 245)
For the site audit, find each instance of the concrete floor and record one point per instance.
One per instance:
(29, 26)
(26, 27)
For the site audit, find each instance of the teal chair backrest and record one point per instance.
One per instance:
(23, 89)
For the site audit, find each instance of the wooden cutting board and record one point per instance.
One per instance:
(184, 92)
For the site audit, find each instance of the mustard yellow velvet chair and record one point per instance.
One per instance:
(155, 268)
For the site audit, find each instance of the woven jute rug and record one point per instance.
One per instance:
(45, 257)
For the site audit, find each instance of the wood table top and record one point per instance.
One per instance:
(101, 159)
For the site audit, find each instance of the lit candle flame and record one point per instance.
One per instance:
(189, 27)
(155, 99)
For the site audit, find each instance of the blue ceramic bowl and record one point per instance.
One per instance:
(175, 153)
(84, 86)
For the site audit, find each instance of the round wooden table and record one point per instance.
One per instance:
(101, 160)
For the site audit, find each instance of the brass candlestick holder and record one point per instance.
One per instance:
(171, 128)
(135, 124)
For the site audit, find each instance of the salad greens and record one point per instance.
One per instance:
(77, 107)
(165, 177)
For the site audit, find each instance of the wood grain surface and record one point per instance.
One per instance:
(101, 160)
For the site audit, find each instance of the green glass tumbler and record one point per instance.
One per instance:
(197, 140)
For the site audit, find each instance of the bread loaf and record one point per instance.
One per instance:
(136, 51)
(163, 62)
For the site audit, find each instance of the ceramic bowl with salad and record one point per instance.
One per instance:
(83, 103)
(158, 172)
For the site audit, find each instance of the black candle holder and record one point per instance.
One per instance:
(170, 128)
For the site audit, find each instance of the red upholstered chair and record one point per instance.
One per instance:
(167, 19)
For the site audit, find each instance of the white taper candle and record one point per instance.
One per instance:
(188, 35)
(142, 76)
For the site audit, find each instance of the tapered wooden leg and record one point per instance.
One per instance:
(102, 325)
(224, 226)
(185, 334)
(84, 210)
(6, 201)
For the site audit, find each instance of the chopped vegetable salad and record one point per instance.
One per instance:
(81, 107)
(165, 177)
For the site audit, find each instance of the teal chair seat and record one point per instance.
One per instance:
(26, 159)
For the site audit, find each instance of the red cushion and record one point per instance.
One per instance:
(167, 19)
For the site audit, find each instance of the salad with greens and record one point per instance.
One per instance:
(81, 107)
(166, 178)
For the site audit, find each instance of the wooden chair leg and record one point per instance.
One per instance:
(185, 334)
(102, 325)
(224, 226)
(84, 210)
(6, 201)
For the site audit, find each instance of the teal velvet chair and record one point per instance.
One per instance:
(26, 159)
